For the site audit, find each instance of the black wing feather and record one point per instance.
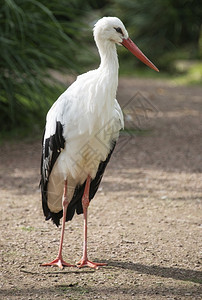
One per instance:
(50, 153)
(51, 149)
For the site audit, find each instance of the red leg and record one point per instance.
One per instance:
(85, 203)
(59, 261)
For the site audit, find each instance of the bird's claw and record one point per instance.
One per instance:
(58, 262)
(87, 263)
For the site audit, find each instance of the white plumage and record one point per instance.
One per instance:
(91, 118)
(82, 127)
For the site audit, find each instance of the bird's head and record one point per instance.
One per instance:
(112, 29)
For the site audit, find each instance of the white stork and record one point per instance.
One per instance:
(81, 131)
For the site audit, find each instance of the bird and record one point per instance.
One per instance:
(81, 131)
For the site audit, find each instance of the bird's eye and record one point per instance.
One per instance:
(119, 30)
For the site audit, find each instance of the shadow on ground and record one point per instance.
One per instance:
(166, 272)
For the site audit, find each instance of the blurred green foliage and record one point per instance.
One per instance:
(39, 36)
(35, 36)
(166, 30)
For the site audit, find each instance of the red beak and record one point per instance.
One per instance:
(128, 43)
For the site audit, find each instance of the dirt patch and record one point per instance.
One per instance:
(145, 220)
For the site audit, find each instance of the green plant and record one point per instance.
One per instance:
(162, 29)
(35, 36)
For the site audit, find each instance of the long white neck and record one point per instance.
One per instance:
(97, 92)
(109, 65)
(108, 55)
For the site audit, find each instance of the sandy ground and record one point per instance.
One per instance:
(145, 220)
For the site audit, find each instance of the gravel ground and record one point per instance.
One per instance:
(145, 220)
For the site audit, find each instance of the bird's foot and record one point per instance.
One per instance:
(87, 263)
(58, 262)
